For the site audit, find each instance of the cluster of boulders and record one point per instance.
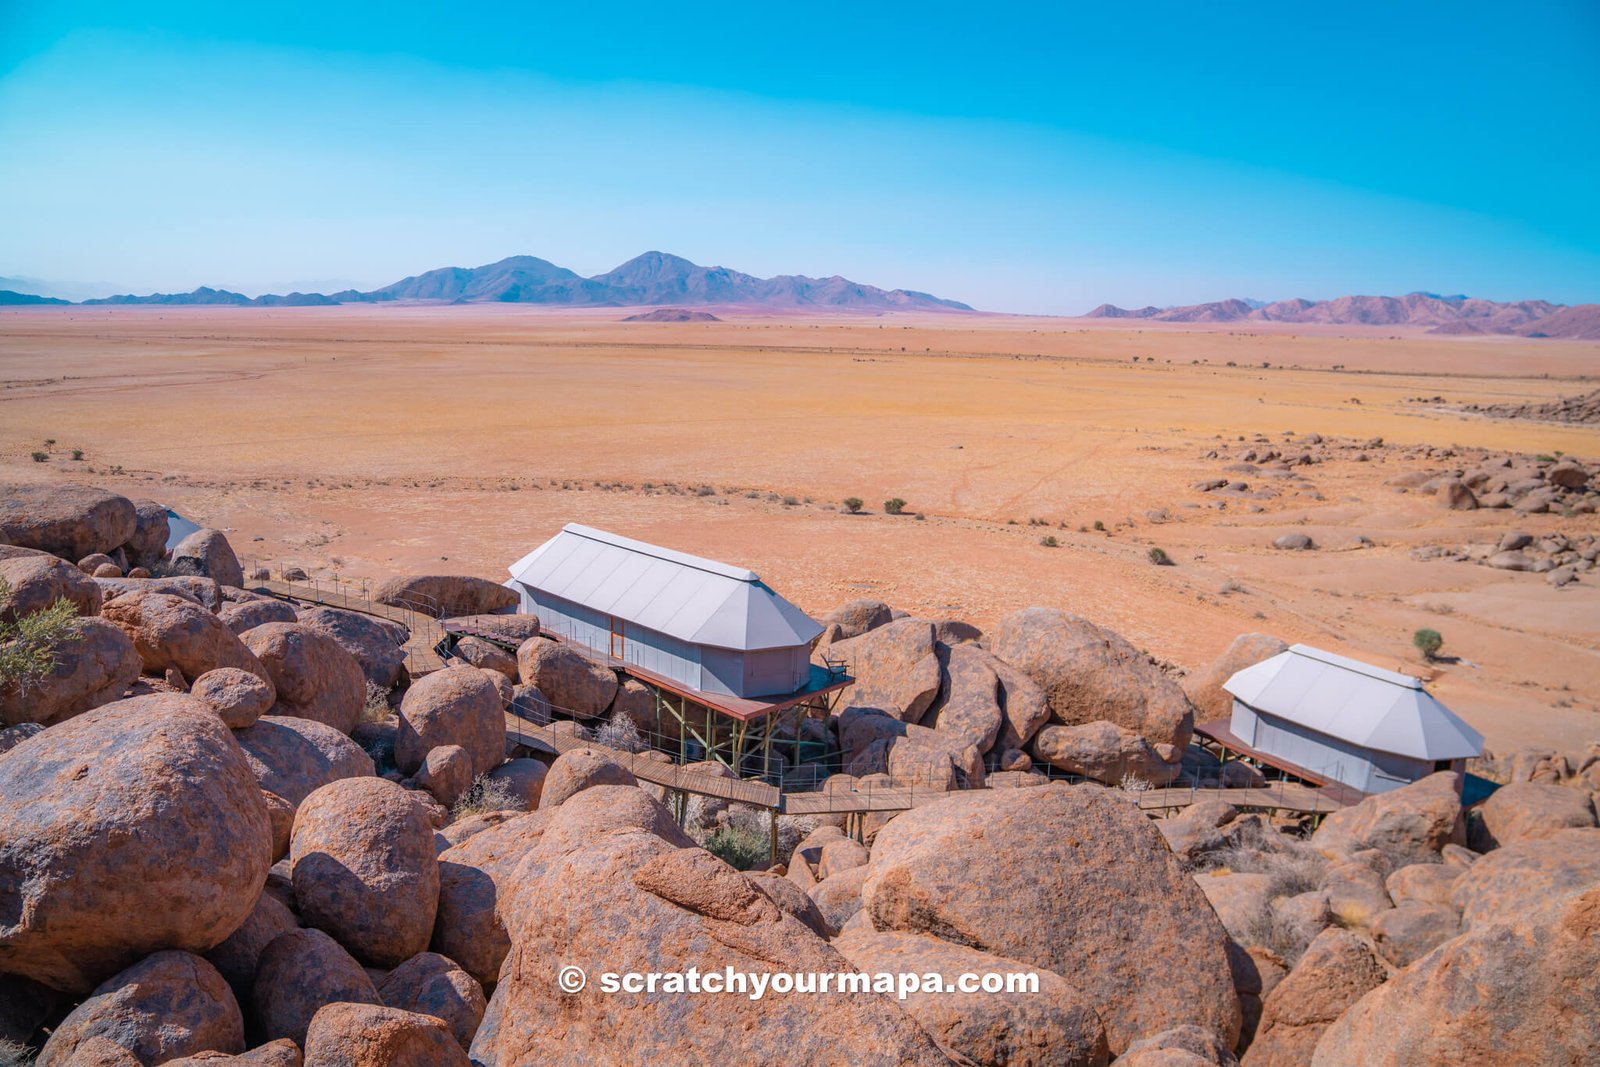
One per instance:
(1405, 929)
(938, 704)
(1560, 557)
(1524, 484)
(1580, 408)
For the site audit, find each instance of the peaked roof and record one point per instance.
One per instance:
(1356, 702)
(696, 600)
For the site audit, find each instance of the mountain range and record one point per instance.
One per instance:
(1459, 315)
(651, 279)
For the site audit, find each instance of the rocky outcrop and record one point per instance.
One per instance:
(1204, 688)
(315, 678)
(294, 757)
(364, 1035)
(203, 591)
(968, 703)
(1518, 990)
(147, 545)
(1090, 674)
(38, 581)
(1526, 810)
(239, 954)
(69, 521)
(299, 972)
(455, 706)
(280, 1053)
(206, 553)
(566, 677)
(364, 869)
(171, 632)
(1406, 933)
(578, 769)
(1052, 1024)
(447, 595)
(245, 615)
(1336, 971)
(95, 669)
(1499, 885)
(486, 655)
(378, 645)
(896, 668)
(838, 898)
(856, 618)
(167, 1005)
(431, 984)
(159, 770)
(523, 780)
(1408, 825)
(1051, 857)
(624, 892)
(473, 878)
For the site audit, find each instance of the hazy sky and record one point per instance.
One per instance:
(1029, 157)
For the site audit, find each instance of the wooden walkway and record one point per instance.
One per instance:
(424, 629)
(1288, 797)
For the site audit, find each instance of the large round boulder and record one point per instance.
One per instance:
(1105, 752)
(238, 956)
(896, 668)
(207, 553)
(857, 617)
(431, 984)
(314, 677)
(78, 901)
(994, 869)
(147, 545)
(171, 632)
(473, 878)
(365, 1035)
(1051, 1023)
(1496, 887)
(600, 887)
(168, 1005)
(294, 757)
(243, 616)
(364, 869)
(1524, 810)
(377, 644)
(203, 591)
(1336, 971)
(569, 679)
(69, 521)
(1411, 824)
(1090, 674)
(300, 971)
(447, 595)
(38, 581)
(578, 769)
(95, 669)
(455, 706)
(238, 697)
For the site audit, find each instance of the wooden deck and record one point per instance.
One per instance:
(1219, 733)
(425, 630)
(1288, 797)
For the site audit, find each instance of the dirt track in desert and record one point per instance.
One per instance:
(362, 442)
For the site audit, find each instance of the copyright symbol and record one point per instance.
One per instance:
(571, 979)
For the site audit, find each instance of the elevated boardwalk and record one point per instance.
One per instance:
(1218, 734)
(425, 630)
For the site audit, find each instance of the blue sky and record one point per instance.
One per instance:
(1022, 159)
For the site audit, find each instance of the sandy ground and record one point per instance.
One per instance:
(363, 442)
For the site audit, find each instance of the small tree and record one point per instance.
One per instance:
(852, 504)
(894, 506)
(1428, 642)
(29, 645)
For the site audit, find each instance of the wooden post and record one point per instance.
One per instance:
(772, 856)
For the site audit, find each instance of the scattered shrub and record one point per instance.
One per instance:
(1050, 541)
(1428, 642)
(894, 506)
(376, 708)
(15, 1053)
(77, 454)
(1099, 526)
(28, 646)
(621, 733)
(1159, 557)
(40, 457)
(484, 795)
(738, 846)
(852, 504)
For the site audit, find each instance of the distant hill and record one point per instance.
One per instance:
(1460, 315)
(11, 299)
(672, 315)
(650, 279)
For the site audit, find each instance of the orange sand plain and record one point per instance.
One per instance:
(362, 442)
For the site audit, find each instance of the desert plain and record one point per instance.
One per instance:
(359, 442)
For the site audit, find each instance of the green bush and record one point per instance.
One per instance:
(1050, 541)
(1428, 642)
(740, 847)
(1159, 557)
(852, 504)
(28, 646)
(1100, 526)
(40, 457)
(894, 506)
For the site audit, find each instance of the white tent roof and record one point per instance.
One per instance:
(693, 599)
(1357, 702)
